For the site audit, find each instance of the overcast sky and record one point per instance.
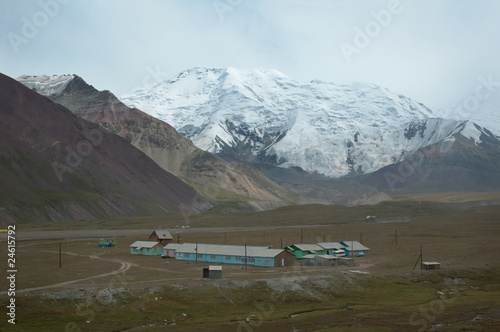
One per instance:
(438, 52)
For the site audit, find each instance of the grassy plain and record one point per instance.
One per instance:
(107, 289)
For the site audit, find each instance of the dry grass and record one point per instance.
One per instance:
(450, 197)
(309, 299)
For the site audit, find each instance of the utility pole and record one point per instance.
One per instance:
(178, 238)
(301, 235)
(395, 238)
(196, 252)
(59, 254)
(246, 257)
(419, 259)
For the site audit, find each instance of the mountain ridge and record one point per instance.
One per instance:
(266, 117)
(57, 166)
(212, 176)
(317, 139)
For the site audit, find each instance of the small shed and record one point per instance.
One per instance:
(161, 235)
(212, 272)
(283, 258)
(169, 250)
(431, 265)
(107, 242)
(148, 248)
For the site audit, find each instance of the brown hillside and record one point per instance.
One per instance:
(57, 166)
(213, 176)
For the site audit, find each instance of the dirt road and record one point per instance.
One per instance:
(124, 266)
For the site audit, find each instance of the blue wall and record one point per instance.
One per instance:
(146, 251)
(254, 261)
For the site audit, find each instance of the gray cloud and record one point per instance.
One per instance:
(431, 51)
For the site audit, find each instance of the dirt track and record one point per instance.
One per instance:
(125, 266)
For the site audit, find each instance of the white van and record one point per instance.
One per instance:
(339, 253)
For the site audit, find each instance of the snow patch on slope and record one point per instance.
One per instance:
(46, 85)
(471, 131)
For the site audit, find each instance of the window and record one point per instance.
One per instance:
(228, 258)
(200, 255)
(186, 254)
(267, 261)
(212, 256)
(238, 258)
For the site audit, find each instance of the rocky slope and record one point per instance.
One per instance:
(455, 164)
(57, 166)
(211, 175)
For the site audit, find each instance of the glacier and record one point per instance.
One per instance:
(265, 116)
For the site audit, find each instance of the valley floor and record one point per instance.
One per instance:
(107, 289)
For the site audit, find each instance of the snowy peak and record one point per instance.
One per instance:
(217, 90)
(265, 116)
(46, 85)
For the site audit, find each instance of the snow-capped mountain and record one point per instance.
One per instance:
(266, 117)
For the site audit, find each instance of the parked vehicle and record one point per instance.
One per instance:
(339, 253)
